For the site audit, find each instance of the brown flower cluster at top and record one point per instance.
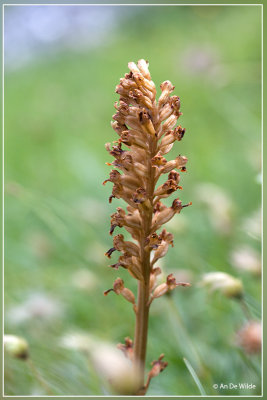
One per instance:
(146, 131)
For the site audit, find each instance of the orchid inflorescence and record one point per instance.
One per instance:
(146, 128)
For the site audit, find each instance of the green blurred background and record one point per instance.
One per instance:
(62, 65)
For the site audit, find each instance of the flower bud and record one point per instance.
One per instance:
(170, 284)
(142, 82)
(169, 123)
(146, 122)
(166, 239)
(172, 135)
(166, 88)
(118, 288)
(133, 68)
(128, 84)
(128, 295)
(160, 290)
(125, 246)
(140, 99)
(166, 188)
(166, 111)
(143, 67)
(178, 163)
(16, 346)
(175, 102)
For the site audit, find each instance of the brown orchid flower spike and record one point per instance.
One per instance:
(146, 131)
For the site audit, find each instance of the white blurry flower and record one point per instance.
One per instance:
(78, 341)
(219, 204)
(16, 346)
(246, 259)
(37, 305)
(252, 225)
(110, 363)
(84, 280)
(249, 337)
(225, 283)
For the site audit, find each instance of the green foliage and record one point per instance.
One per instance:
(57, 115)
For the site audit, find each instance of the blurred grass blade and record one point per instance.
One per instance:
(195, 377)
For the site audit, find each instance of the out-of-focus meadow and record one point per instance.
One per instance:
(62, 66)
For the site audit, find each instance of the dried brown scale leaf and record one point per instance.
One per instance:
(127, 348)
(157, 367)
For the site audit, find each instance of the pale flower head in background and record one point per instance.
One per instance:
(219, 204)
(246, 259)
(224, 283)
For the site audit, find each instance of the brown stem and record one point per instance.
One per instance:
(142, 314)
(141, 327)
(141, 330)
